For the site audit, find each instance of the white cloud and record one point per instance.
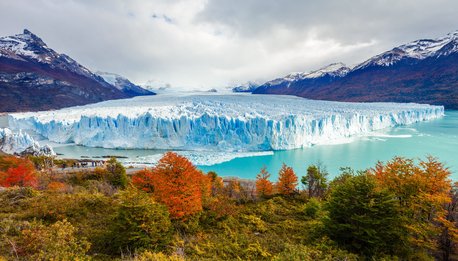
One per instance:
(205, 44)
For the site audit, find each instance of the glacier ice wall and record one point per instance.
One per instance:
(233, 122)
(17, 142)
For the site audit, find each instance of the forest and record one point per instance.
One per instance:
(402, 209)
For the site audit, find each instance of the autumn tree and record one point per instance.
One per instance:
(448, 239)
(17, 172)
(315, 181)
(143, 180)
(264, 186)
(287, 181)
(177, 183)
(421, 191)
(220, 204)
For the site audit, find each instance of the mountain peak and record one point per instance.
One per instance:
(26, 31)
(415, 50)
(31, 38)
(334, 69)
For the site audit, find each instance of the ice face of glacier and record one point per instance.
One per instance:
(236, 122)
(20, 142)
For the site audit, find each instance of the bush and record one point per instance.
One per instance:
(309, 253)
(364, 219)
(116, 174)
(312, 208)
(139, 223)
(54, 242)
(150, 256)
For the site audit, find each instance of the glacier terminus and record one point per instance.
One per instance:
(218, 122)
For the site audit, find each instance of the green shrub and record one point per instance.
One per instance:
(116, 174)
(54, 242)
(312, 208)
(139, 223)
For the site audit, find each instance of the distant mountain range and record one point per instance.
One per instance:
(423, 71)
(35, 77)
(123, 84)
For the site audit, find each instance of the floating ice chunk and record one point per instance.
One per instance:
(200, 158)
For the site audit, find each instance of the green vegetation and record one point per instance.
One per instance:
(398, 210)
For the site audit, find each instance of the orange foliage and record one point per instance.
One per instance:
(422, 191)
(143, 179)
(264, 186)
(17, 172)
(56, 186)
(176, 183)
(287, 181)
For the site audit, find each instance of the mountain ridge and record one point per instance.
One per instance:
(35, 77)
(420, 71)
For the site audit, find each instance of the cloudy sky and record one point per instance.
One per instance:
(202, 44)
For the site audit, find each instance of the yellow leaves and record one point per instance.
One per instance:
(422, 191)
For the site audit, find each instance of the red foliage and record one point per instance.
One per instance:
(17, 172)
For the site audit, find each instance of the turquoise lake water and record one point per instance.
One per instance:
(438, 138)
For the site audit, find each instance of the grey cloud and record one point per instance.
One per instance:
(204, 44)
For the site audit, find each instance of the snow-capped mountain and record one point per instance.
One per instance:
(416, 50)
(123, 84)
(334, 70)
(246, 87)
(35, 77)
(421, 71)
(29, 47)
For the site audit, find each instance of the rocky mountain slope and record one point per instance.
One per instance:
(35, 77)
(424, 71)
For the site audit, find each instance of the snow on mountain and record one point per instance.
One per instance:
(28, 46)
(35, 77)
(246, 87)
(335, 70)
(235, 122)
(123, 84)
(20, 142)
(417, 50)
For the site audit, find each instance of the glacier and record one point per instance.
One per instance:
(19, 142)
(216, 122)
